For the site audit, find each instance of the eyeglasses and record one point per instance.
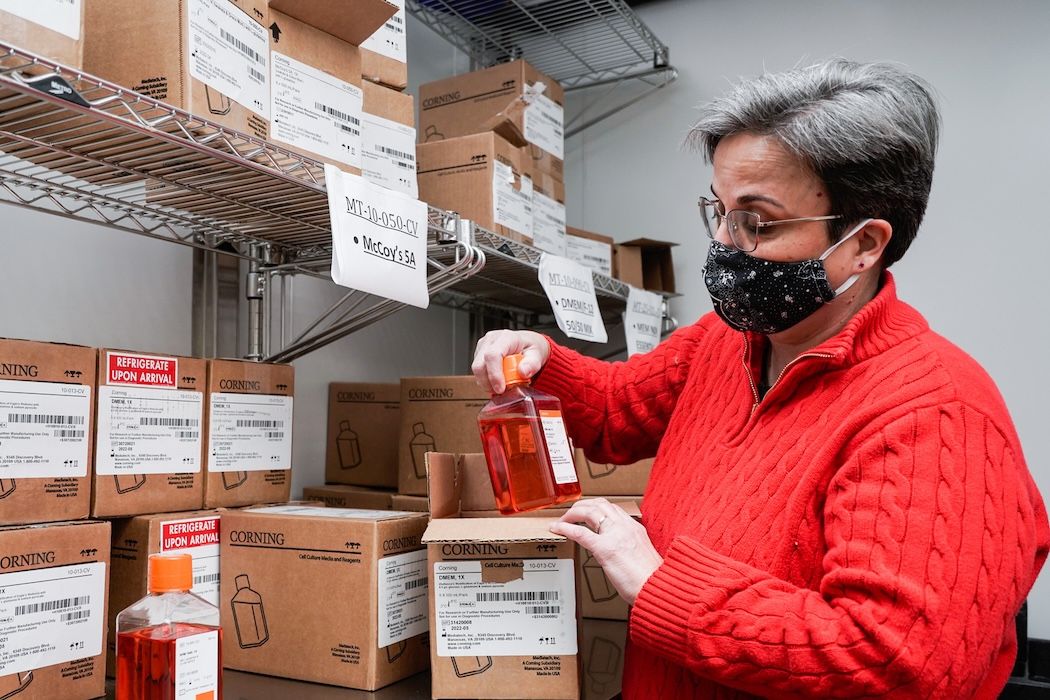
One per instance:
(743, 225)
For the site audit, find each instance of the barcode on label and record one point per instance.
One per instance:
(242, 47)
(333, 112)
(171, 422)
(414, 584)
(52, 605)
(349, 129)
(188, 434)
(260, 424)
(542, 609)
(261, 77)
(404, 165)
(207, 578)
(73, 616)
(275, 435)
(48, 418)
(518, 596)
(395, 153)
(69, 433)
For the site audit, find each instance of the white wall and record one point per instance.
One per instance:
(978, 268)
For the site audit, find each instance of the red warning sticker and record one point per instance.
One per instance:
(142, 370)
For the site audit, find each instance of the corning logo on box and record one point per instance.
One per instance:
(440, 100)
(353, 396)
(240, 384)
(254, 537)
(13, 369)
(141, 370)
(473, 549)
(432, 394)
(18, 561)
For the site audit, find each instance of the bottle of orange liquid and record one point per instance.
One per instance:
(527, 450)
(169, 644)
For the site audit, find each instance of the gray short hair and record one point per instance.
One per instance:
(868, 130)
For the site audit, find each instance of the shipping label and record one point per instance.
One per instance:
(548, 224)
(249, 432)
(51, 616)
(44, 429)
(594, 255)
(322, 512)
(544, 122)
(402, 597)
(388, 154)
(512, 206)
(558, 448)
(532, 614)
(62, 16)
(198, 537)
(389, 40)
(642, 320)
(570, 288)
(228, 53)
(315, 111)
(148, 431)
(197, 667)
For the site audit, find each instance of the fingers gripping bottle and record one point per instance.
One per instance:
(169, 644)
(527, 450)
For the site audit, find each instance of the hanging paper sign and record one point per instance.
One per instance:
(570, 289)
(379, 239)
(641, 320)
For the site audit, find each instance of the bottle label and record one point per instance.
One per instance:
(197, 667)
(558, 447)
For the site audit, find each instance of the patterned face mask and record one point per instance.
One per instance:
(766, 296)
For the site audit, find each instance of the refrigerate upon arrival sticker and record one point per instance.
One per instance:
(389, 40)
(148, 431)
(51, 616)
(62, 16)
(534, 614)
(548, 224)
(315, 111)
(43, 429)
(228, 52)
(544, 121)
(570, 288)
(249, 432)
(379, 239)
(198, 537)
(642, 320)
(512, 205)
(142, 370)
(388, 154)
(402, 583)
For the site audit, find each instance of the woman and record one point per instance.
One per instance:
(839, 505)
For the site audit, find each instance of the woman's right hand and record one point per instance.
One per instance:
(495, 345)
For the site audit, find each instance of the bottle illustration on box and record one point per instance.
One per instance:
(218, 103)
(7, 487)
(465, 666)
(421, 443)
(128, 482)
(603, 665)
(348, 446)
(394, 651)
(231, 480)
(597, 471)
(14, 684)
(249, 615)
(597, 583)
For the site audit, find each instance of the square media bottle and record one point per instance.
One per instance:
(526, 447)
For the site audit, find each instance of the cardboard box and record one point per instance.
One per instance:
(513, 99)
(341, 496)
(437, 414)
(481, 178)
(543, 162)
(646, 264)
(46, 443)
(384, 55)
(548, 214)
(592, 250)
(503, 620)
(53, 599)
(134, 539)
(415, 504)
(604, 644)
(149, 445)
(54, 30)
(315, 93)
(353, 22)
(597, 479)
(208, 57)
(248, 457)
(364, 421)
(328, 595)
(388, 135)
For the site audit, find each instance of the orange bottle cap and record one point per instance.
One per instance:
(511, 374)
(170, 572)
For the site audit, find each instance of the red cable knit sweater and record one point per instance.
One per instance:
(868, 529)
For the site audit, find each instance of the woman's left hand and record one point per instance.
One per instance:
(615, 539)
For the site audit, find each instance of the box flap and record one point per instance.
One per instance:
(352, 21)
(491, 530)
(506, 123)
(475, 484)
(333, 513)
(648, 243)
(443, 484)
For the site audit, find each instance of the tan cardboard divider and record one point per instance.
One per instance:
(598, 479)
(243, 487)
(604, 644)
(389, 104)
(342, 496)
(646, 264)
(415, 504)
(316, 593)
(505, 552)
(437, 414)
(364, 421)
(66, 494)
(135, 539)
(73, 561)
(132, 492)
(43, 41)
(352, 21)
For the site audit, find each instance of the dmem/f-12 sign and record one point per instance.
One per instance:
(570, 289)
